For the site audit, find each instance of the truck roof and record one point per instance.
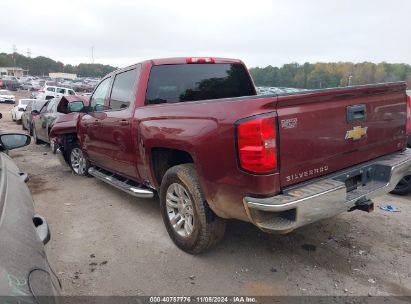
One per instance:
(183, 60)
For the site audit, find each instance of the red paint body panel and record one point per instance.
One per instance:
(318, 140)
(206, 130)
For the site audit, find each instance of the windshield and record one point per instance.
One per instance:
(191, 82)
(5, 92)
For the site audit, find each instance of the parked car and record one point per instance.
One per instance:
(32, 110)
(50, 112)
(25, 273)
(9, 83)
(194, 131)
(49, 92)
(6, 96)
(64, 129)
(37, 85)
(18, 110)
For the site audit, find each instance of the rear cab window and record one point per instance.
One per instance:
(192, 82)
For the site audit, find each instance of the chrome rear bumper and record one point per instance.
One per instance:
(326, 197)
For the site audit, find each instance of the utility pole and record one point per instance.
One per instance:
(92, 54)
(14, 58)
(349, 79)
(29, 53)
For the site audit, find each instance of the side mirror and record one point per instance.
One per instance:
(35, 112)
(9, 141)
(76, 106)
(1, 116)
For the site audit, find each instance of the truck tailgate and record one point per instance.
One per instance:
(324, 131)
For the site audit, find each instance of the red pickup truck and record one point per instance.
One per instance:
(194, 131)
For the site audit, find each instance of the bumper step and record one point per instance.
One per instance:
(328, 196)
(122, 183)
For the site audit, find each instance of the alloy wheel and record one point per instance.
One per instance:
(78, 161)
(180, 210)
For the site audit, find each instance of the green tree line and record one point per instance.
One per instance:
(326, 75)
(42, 66)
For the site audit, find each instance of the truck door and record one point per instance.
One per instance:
(119, 151)
(90, 124)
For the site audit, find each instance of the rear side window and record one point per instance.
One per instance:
(191, 82)
(50, 89)
(122, 93)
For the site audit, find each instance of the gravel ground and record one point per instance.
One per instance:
(105, 242)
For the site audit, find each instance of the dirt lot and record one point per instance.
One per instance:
(105, 242)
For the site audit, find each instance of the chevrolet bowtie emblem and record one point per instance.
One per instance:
(356, 133)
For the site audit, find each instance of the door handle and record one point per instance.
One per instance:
(123, 122)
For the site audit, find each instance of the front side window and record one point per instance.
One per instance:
(122, 93)
(97, 100)
(191, 82)
(71, 92)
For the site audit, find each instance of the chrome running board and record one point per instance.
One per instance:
(121, 183)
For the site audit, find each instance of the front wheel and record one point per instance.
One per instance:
(77, 160)
(190, 222)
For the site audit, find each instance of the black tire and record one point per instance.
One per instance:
(403, 187)
(36, 140)
(70, 160)
(208, 229)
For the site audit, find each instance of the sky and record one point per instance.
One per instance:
(259, 32)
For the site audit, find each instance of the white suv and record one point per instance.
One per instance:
(49, 92)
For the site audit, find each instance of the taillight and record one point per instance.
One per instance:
(408, 123)
(200, 60)
(34, 115)
(257, 144)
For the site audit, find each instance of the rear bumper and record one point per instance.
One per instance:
(326, 197)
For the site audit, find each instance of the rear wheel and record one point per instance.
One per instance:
(190, 222)
(77, 160)
(403, 187)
